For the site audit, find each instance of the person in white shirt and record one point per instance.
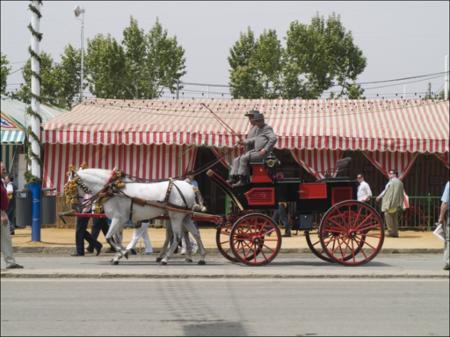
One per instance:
(364, 192)
(141, 232)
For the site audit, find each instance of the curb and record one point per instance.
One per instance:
(6, 275)
(214, 251)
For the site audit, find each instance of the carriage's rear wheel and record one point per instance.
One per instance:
(255, 239)
(351, 233)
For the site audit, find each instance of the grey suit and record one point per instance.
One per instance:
(260, 138)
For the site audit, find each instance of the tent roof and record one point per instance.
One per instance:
(367, 125)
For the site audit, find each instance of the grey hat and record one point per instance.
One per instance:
(258, 116)
(251, 113)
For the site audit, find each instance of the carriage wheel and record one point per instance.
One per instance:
(255, 239)
(313, 241)
(223, 241)
(351, 233)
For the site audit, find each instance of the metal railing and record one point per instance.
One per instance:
(422, 214)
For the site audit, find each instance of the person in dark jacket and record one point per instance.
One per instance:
(6, 244)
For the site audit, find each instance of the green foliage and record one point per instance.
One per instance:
(60, 83)
(256, 65)
(105, 63)
(165, 60)
(49, 83)
(68, 77)
(5, 69)
(320, 55)
(317, 57)
(141, 67)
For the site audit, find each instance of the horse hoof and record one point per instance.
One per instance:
(201, 263)
(188, 260)
(163, 263)
(115, 263)
(126, 255)
(158, 259)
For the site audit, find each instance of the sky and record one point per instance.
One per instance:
(399, 39)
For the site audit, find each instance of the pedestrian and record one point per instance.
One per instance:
(11, 189)
(445, 222)
(6, 244)
(364, 193)
(99, 224)
(82, 234)
(281, 216)
(141, 232)
(392, 202)
(199, 206)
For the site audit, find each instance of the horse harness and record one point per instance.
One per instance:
(113, 187)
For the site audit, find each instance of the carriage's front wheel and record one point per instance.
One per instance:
(351, 233)
(223, 233)
(255, 239)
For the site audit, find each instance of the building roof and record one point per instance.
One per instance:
(16, 110)
(367, 125)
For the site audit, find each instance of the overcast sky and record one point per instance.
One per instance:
(399, 39)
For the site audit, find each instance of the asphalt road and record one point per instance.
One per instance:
(189, 307)
(285, 265)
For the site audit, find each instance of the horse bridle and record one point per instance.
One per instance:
(73, 197)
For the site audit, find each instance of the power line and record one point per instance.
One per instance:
(334, 85)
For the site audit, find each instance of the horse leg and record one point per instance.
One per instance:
(169, 234)
(188, 246)
(176, 224)
(192, 228)
(116, 226)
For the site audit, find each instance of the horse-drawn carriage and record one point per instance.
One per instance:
(350, 232)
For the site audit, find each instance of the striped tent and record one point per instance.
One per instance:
(317, 126)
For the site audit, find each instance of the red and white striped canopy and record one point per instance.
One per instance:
(365, 125)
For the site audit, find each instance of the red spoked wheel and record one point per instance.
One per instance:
(223, 233)
(255, 239)
(314, 244)
(351, 233)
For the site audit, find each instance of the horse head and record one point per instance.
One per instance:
(84, 181)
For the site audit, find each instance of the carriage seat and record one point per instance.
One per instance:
(269, 161)
(342, 169)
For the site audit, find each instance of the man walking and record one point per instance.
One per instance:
(364, 192)
(445, 222)
(392, 202)
(6, 244)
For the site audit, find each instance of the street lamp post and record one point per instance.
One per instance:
(79, 13)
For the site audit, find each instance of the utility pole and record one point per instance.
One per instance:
(446, 78)
(34, 133)
(79, 12)
(429, 91)
(178, 89)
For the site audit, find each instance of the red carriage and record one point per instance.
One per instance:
(350, 233)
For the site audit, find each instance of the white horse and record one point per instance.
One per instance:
(120, 210)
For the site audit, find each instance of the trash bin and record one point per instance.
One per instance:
(48, 206)
(23, 208)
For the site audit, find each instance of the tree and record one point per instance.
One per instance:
(165, 60)
(105, 65)
(68, 76)
(5, 69)
(243, 72)
(142, 66)
(317, 57)
(49, 84)
(134, 44)
(268, 61)
(321, 55)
